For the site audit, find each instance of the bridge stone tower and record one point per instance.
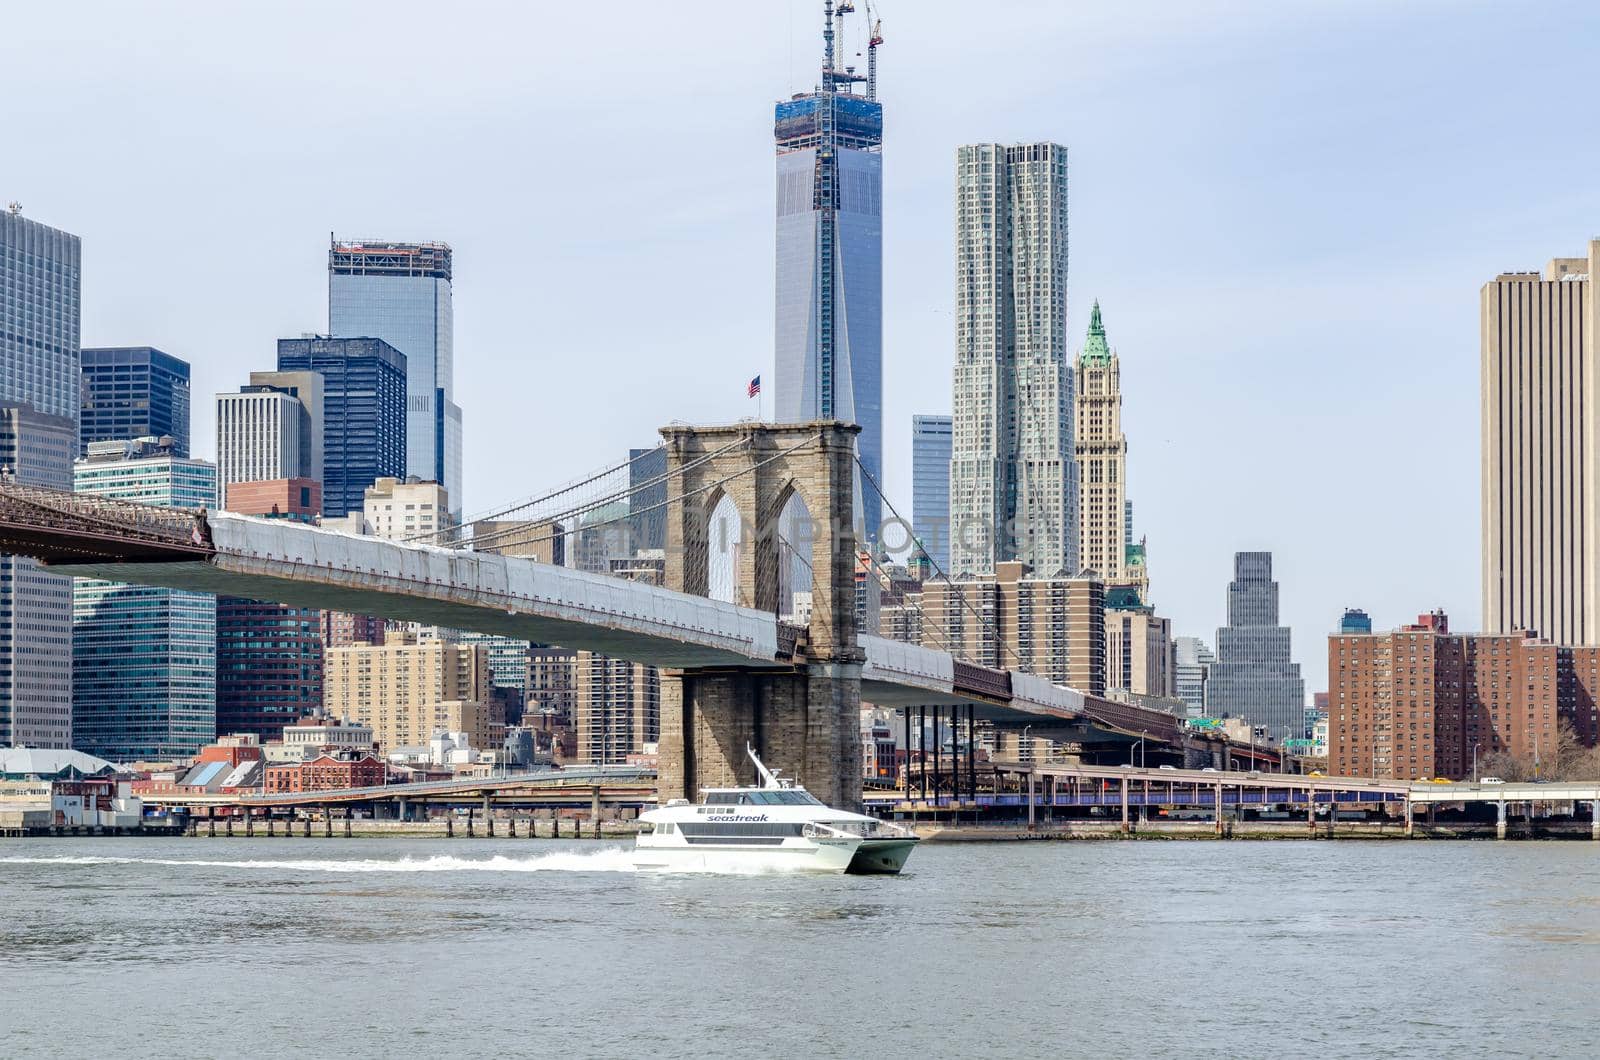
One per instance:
(802, 717)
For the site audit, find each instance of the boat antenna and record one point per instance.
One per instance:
(768, 778)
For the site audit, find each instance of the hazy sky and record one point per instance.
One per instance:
(1285, 209)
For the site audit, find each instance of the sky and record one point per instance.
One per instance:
(1286, 212)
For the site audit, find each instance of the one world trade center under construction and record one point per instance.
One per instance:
(829, 326)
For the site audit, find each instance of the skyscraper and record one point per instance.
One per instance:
(829, 321)
(145, 680)
(930, 486)
(1540, 384)
(401, 293)
(1253, 677)
(134, 392)
(1013, 472)
(35, 607)
(270, 430)
(40, 383)
(363, 413)
(1105, 515)
(1193, 665)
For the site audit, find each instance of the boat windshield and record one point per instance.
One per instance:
(764, 797)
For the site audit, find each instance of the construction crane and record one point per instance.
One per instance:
(872, 53)
(832, 76)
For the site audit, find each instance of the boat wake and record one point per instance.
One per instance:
(609, 859)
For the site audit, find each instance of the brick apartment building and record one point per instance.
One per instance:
(1054, 627)
(326, 772)
(1421, 701)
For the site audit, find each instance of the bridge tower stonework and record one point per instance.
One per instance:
(802, 718)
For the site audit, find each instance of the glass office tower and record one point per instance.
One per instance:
(930, 486)
(134, 392)
(145, 681)
(363, 413)
(40, 378)
(401, 293)
(829, 320)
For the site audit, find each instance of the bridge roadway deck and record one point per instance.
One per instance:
(309, 566)
(616, 783)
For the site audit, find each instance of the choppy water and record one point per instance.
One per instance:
(197, 947)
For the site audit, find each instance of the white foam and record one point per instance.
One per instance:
(609, 859)
(606, 859)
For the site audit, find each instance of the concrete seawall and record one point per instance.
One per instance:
(1259, 830)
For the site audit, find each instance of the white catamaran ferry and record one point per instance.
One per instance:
(778, 825)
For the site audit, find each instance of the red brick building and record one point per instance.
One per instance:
(1423, 702)
(341, 630)
(326, 772)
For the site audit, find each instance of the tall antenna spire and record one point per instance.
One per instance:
(827, 45)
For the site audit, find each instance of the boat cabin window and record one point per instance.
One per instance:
(765, 797)
(783, 797)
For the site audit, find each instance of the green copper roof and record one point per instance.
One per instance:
(1123, 598)
(1095, 351)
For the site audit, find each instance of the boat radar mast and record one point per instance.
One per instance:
(769, 779)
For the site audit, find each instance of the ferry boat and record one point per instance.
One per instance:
(776, 826)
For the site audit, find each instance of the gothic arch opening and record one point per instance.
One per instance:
(723, 543)
(796, 536)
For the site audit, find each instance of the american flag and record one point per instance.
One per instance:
(755, 386)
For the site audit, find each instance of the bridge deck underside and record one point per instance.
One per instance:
(53, 545)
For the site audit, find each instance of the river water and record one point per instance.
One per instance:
(369, 947)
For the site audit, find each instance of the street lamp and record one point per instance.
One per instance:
(1024, 740)
(1474, 763)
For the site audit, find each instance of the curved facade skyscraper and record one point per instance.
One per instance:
(828, 333)
(1013, 471)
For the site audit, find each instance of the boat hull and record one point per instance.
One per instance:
(881, 857)
(825, 856)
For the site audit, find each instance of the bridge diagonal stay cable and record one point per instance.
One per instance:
(583, 508)
(663, 504)
(601, 502)
(568, 487)
(987, 625)
(924, 625)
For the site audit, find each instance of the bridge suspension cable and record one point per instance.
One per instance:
(568, 487)
(457, 534)
(572, 515)
(956, 649)
(557, 531)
